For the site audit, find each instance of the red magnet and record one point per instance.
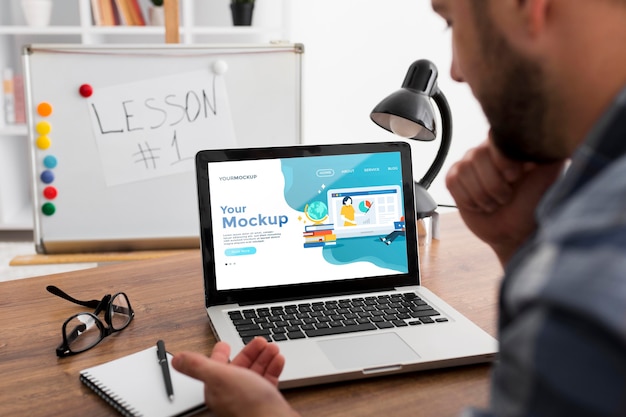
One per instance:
(85, 90)
(50, 192)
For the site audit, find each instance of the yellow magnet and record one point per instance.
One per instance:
(43, 142)
(43, 128)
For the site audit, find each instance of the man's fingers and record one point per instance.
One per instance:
(221, 352)
(461, 196)
(261, 357)
(274, 369)
(269, 363)
(477, 188)
(483, 179)
(250, 352)
(193, 364)
(265, 357)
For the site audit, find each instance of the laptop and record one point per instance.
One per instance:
(314, 247)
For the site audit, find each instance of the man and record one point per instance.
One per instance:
(398, 231)
(551, 78)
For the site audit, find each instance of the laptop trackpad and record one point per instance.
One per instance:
(367, 351)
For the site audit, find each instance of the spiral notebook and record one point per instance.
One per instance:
(134, 386)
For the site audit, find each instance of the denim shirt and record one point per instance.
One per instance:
(562, 317)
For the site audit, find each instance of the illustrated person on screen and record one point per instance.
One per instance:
(399, 231)
(347, 212)
(546, 191)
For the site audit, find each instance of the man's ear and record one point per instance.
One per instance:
(534, 15)
(523, 20)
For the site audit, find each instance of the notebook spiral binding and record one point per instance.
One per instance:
(123, 408)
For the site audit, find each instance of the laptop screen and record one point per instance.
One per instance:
(305, 215)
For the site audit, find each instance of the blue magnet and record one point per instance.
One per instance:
(50, 162)
(47, 176)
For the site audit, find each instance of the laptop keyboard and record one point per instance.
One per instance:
(297, 321)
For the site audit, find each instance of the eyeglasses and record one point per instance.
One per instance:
(83, 331)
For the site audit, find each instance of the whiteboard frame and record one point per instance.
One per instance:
(47, 242)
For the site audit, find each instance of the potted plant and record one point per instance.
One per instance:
(242, 12)
(156, 13)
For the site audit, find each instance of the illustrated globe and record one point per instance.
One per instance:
(317, 211)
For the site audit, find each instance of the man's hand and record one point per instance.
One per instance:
(259, 356)
(497, 197)
(245, 387)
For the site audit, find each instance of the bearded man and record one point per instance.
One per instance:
(547, 192)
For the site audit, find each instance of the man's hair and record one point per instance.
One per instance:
(480, 7)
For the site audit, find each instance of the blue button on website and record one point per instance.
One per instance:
(251, 250)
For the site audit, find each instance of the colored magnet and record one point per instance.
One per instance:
(44, 109)
(50, 161)
(43, 128)
(43, 142)
(50, 192)
(47, 176)
(85, 90)
(48, 209)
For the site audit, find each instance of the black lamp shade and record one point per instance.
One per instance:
(408, 112)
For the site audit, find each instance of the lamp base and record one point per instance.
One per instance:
(428, 229)
(425, 205)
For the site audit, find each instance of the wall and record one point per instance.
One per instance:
(356, 53)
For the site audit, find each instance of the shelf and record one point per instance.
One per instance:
(22, 220)
(133, 30)
(48, 30)
(13, 130)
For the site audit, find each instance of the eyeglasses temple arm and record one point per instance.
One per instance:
(60, 293)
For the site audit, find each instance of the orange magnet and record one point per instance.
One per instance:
(44, 109)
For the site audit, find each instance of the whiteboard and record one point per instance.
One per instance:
(113, 133)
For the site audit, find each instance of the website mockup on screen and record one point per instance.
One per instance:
(307, 219)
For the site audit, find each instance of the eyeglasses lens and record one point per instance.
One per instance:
(82, 332)
(120, 312)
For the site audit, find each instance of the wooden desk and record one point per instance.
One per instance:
(167, 295)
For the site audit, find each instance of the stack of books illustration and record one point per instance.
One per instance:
(319, 235)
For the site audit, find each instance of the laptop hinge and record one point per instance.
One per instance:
(309, 296)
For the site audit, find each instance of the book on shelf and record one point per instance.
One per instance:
(117, 12)
(130, 13)
(96, 12)
(8, 96)
(19, 99)
(102, 12)
(122, 12)
(138, 16)
(13, 102)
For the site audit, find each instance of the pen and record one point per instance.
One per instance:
(162, 356)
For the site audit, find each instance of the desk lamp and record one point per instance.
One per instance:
(409, 113)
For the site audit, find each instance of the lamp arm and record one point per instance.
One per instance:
(446, 139)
